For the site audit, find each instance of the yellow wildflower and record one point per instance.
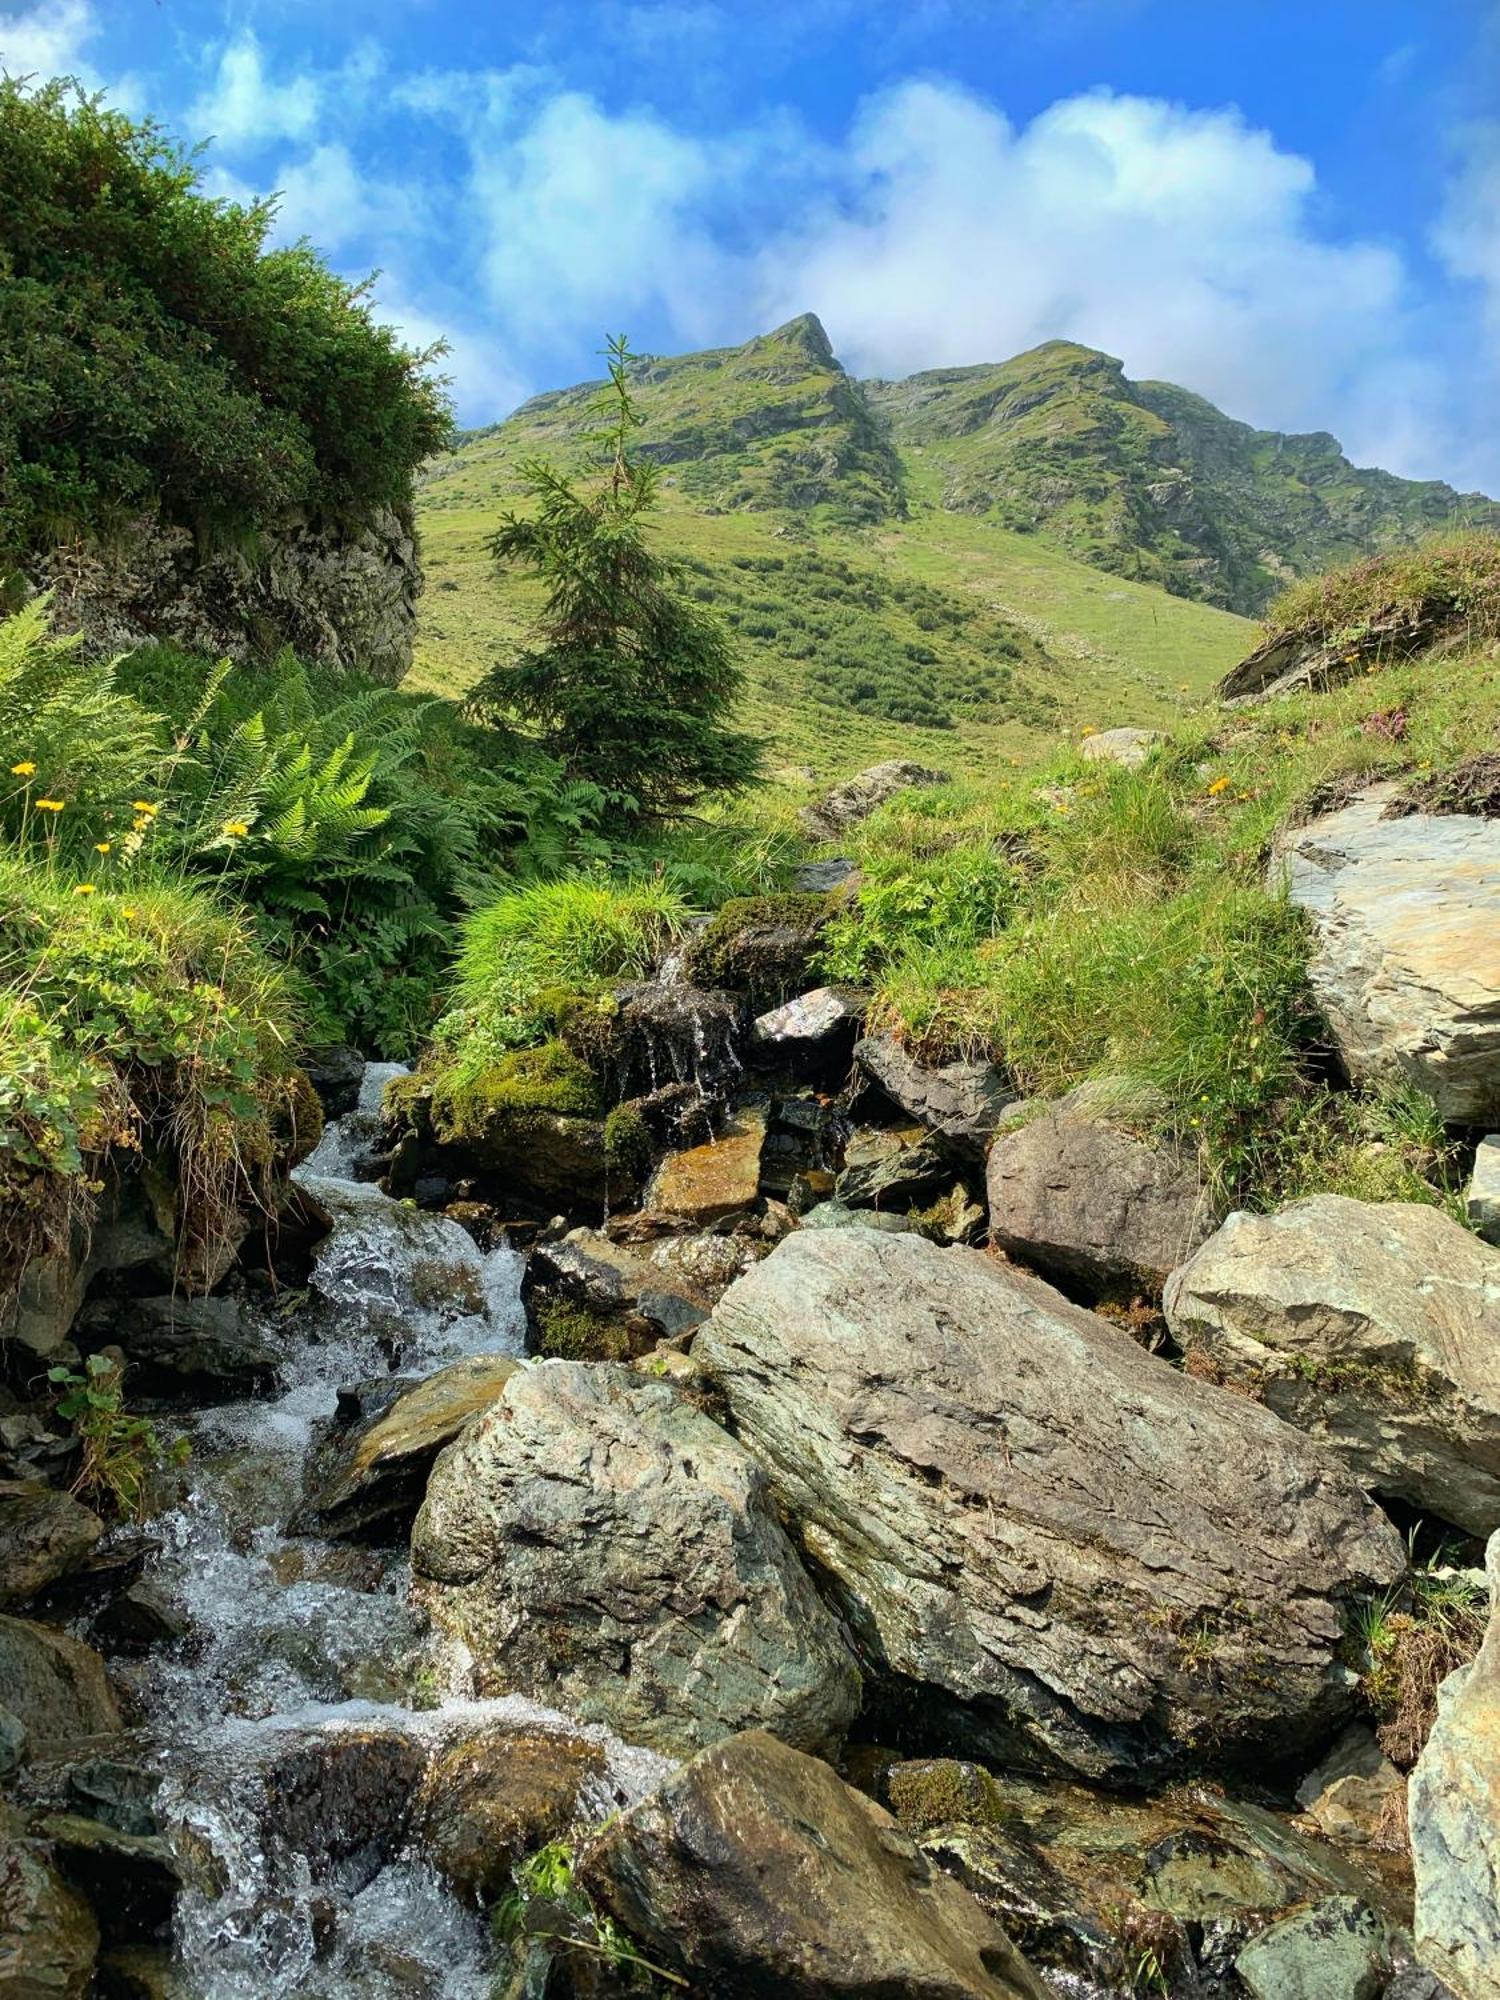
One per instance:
(25, 770)
(236, 829)
(1218, 785)
(49, 805)
(1088, 730)
(84, 889)
(128, 914)
(101, 847)
(140, 806)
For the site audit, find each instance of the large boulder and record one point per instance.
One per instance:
(1406, 958)
(49, 1937)
(490, 1798)
(54, 1685)
(373, 1466)
(1127, 747)
(857, 797)
(596, 1542)
(712, 1182)
(961, 1102)
(1454, 1815)
(44, 1535)
(1110, 1566)
(1090, 1204)
(760, 1874)
(1373, 1325)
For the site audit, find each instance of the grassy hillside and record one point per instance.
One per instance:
(873, 621)
(1148, 480)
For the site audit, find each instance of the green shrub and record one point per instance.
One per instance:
(121, 1450)
(156, 357)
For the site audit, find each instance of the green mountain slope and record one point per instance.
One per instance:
(1148, 480)
(872, 621)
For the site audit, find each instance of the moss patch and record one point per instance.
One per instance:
(761, 944)
(943, 1792)
(627, 1143)
(546, 1079)
(567, 1332)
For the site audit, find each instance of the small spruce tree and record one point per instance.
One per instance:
(627, 679)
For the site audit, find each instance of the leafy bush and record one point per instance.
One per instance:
(156, 357)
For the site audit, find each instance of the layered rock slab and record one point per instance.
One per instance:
(762, 1875)
(596, 1542)
(1375, 1326)
(1111, 1567)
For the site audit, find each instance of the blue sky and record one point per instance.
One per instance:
(1292, 208)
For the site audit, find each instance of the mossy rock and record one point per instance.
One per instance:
(762, 945)
(548, 1078)
(628, 1146)
(535, 1117)
(943, 1791)
(568, 1332)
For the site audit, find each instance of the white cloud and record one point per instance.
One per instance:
(244, 108)
(48, 39)
(1467, 235)
(1180, 240)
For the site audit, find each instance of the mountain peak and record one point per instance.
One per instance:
(807, 334)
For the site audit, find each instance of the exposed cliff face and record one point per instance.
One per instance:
(345, 598)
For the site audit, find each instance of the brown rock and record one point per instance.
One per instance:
(710, 1183)
(497, 1796)
(44, 1535)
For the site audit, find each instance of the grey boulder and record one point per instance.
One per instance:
(1483, 1198)
(857, 797)
(962, 1102)
(1127, 747)
(1454, 1815)
(596, 1542)
(1090, 1204)
(1373, 1325)
(1406, 958)
(1333, 1950)
(762, 1875)
(1098, 1562)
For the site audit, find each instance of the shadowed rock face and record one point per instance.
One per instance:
(1406, 916)
(1373, 1325)
(598, 1543)
(1117, 1567)
(764, 1876)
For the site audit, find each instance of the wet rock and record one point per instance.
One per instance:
(44, 1535)
(141, 1617)
(1127, 747)
(598, 1543)
(899, 1170)
(339, 1801)
(710, 1183)
(1454, 1816)
(1406, 967)
(335, 1074)
(838, 1215)
(1337, 1950)
(1483, 1198)
(961, 1102)
(1374, 1326)
(813, 1034)
(704, 1263)
(757, 1871)
(55, 1685)
(1348, 1795)
(375, 1469)
(139, 1972)
(12, 1741)
(760, 945)
(1090, 1204)
(587, 1270)
(132, 1228)
(496, 1796)
(1112, 1567)
(820, 878)
(131, 1879)
(648, 1036)
(198, 1344)
(857, 797)
(49, 1937)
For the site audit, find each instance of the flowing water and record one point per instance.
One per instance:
(297, 1647)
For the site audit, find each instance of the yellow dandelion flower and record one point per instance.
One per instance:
(84, 889)
(1218, 785)
(128, 914)
(141, 806)
(236, 829)
(1088, 730)
(25, 770)
(49, 805)
(101, 846)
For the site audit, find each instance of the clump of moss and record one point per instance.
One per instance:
(566, 1332)
(943, 1791)
(519, 1084)
(627, 1143)
(761, 944)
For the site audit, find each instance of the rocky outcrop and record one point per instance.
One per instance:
(344, 598)
(1091, 1204)
(757, 1872)
(1112, 1567)
(961, 1102)
(1127, 747)
(54, 1685)
(44, 1535)
(1375, 1326)
(1406, 958)
(857, 797)
(373, 1466)
(1483, 1197)
(596, 1542)
(760, 945)
(49, 1937)
(1454, 1815)
(202, 1345)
